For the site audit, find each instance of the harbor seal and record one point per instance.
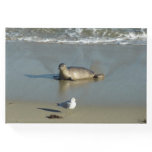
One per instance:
(77, 73)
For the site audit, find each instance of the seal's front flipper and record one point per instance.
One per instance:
(70, 79)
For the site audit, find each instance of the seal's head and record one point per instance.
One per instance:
(62, 66)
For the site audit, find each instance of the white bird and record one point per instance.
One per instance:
(70, 104)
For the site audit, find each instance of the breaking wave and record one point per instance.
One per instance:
(124, 36)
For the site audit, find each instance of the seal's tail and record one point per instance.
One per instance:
(99, 76)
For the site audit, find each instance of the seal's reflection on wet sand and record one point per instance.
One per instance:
(65, 85)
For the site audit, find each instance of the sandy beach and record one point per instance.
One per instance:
(27, 112)
(32, 92)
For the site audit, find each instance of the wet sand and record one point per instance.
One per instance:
(30, 84)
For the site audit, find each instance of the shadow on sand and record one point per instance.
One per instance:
(48, 76)
(51, 110)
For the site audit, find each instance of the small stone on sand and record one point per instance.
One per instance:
(54, 117)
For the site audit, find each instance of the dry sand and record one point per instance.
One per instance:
(26, 112)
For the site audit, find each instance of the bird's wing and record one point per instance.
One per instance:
(65, 104)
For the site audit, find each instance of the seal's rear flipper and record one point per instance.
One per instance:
(99, 76)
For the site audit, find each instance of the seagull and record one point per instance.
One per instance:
(70, 104)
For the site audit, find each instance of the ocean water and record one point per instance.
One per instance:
(30, 68)
(33, 56)
(122, 36)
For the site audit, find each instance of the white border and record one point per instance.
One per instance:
(75, 137)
